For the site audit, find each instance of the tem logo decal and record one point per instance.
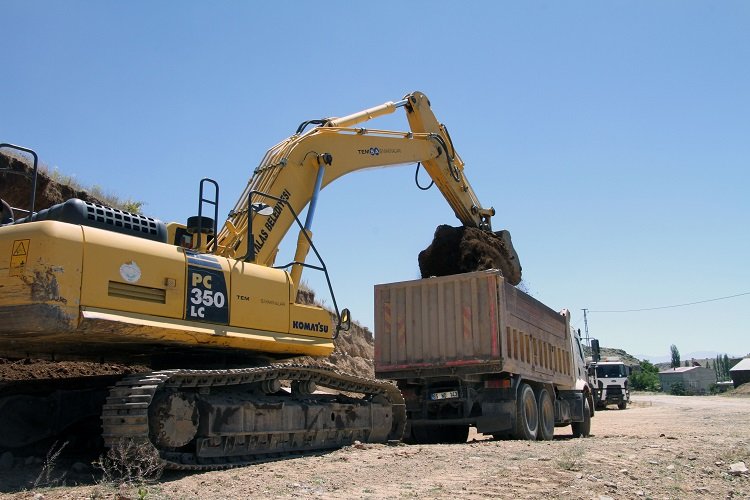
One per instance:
(130, 272)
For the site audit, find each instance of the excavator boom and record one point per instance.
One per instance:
(297, 168)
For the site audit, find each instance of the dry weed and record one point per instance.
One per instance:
(572, 457)
(130, 462)
(47, 477)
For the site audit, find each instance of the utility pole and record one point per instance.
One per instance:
(586, 327)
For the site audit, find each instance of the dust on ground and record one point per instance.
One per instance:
(456, 250)
(660, 447)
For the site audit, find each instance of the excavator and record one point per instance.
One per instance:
(208, 310)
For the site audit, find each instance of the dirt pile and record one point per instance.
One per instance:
(354, 350)
(16, 189)
(456, 250)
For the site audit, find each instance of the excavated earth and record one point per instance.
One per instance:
(456, 250)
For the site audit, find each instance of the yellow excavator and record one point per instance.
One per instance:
(84, 281)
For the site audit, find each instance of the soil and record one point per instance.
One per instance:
(456, 250)
(16, 189)
(35, 369)
(661, 446)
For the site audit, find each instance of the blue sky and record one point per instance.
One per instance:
(612, 138)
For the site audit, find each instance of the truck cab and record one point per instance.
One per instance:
(610, 382)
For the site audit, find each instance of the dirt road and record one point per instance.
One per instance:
(660, 447)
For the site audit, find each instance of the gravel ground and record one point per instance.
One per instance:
(660, 447)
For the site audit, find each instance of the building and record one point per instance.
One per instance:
(695, 379)
(740, 372)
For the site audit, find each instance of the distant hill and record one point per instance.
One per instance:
(698, 355)
(611, 352)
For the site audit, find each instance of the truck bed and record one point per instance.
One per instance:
(474, 323)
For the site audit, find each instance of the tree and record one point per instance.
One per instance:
(726, 366)
(678, 389)
(645, 379)
(675, 356)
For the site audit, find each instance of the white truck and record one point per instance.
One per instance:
(610, 381)
(472, 350)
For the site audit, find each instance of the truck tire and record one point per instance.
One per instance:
(527, 414)
(546, 408)
(583, 429)
(622, 405)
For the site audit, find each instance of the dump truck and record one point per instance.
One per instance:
(473, 350)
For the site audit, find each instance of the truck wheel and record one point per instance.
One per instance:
(527, 414)
(583, 429)
(622, 405)
(546, 415)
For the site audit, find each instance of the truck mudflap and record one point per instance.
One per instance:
(218, 419)
(569, 407)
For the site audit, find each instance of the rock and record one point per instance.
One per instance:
(738, 468)
(670, 467)
(38, 496)
(6, 461)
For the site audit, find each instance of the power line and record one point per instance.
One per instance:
(675, 305)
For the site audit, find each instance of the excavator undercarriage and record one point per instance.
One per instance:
(215, 419)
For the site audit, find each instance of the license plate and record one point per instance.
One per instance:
(444, 395)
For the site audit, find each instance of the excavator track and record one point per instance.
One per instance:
(218, 419)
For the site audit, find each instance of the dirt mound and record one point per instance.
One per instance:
(16, 189)
(354, 350)
(456, 250)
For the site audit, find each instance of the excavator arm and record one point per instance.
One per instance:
(293, 172)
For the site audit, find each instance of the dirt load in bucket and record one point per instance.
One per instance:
(456, 250)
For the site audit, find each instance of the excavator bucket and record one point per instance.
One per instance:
(456, 250)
